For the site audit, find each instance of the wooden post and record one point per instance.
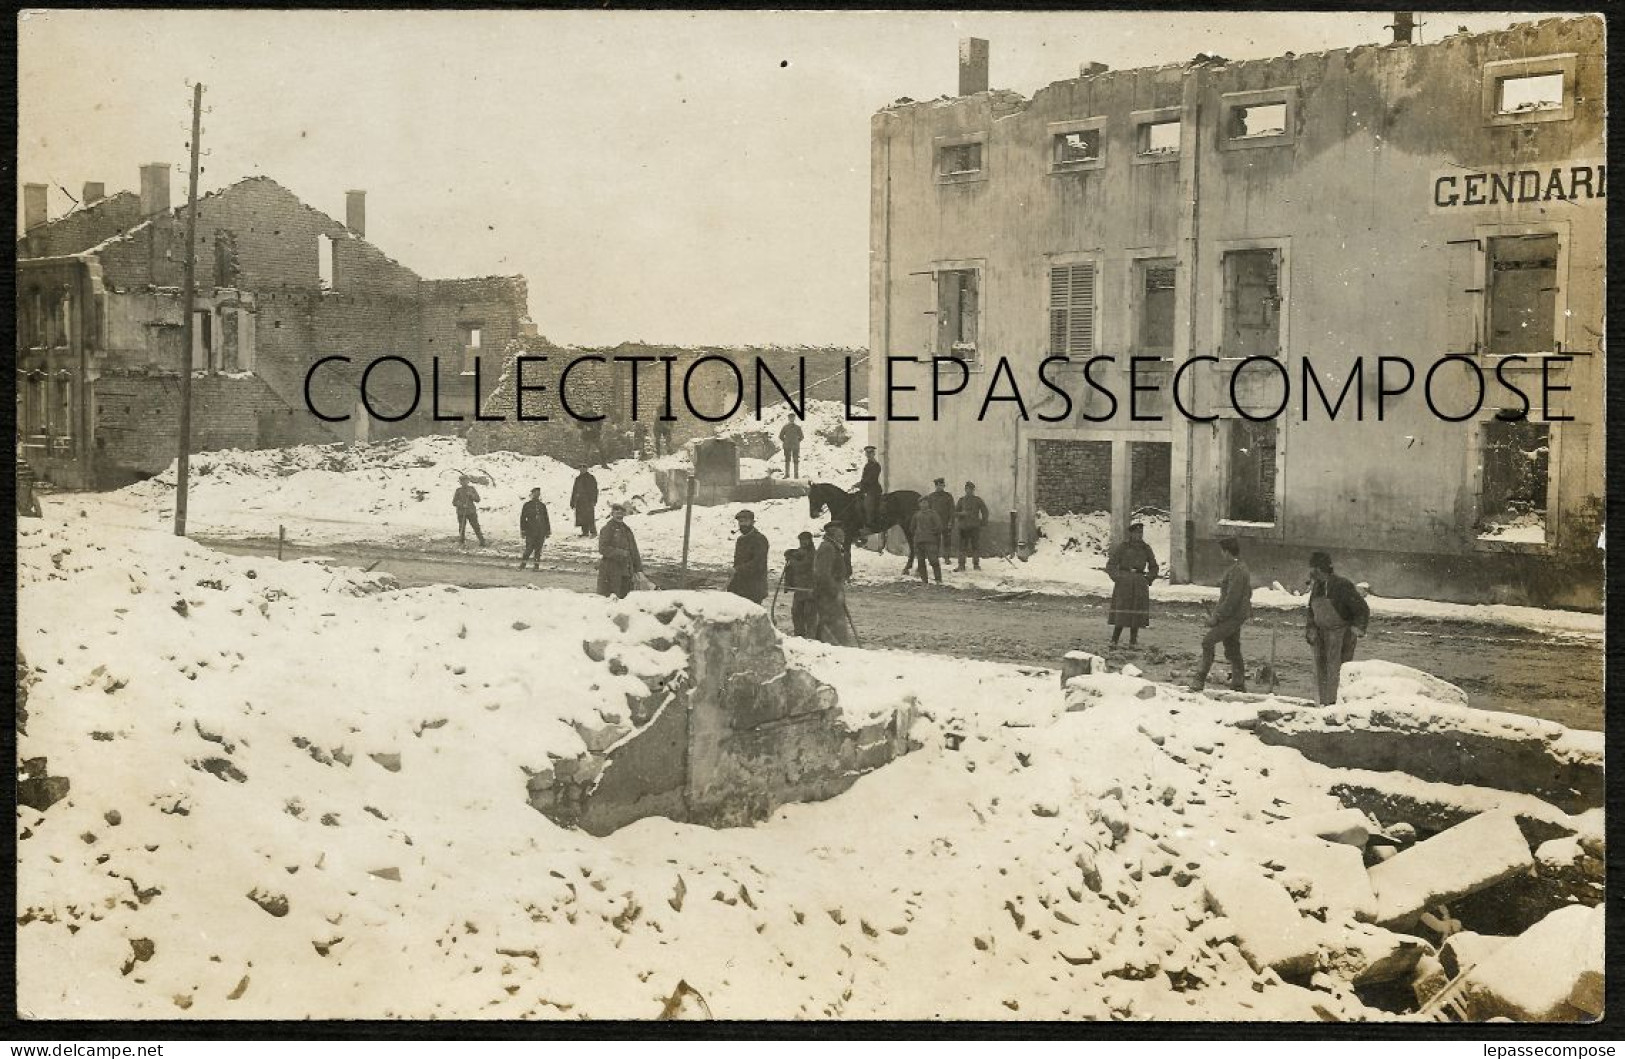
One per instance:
(1015, 538)
(188, 292)
(688, 521)
(281, 539)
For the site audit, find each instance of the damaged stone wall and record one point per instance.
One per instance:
(724, 743)
(606, 389)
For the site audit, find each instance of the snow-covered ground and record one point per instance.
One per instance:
(299, 792)
(399, 493)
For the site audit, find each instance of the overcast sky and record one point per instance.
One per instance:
(666, 176)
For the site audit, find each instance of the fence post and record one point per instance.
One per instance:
(688, 520)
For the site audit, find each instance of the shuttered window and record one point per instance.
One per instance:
(1072, 310)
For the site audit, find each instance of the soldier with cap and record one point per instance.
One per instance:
(466, 501)
(535, 527)
(942, 504)
(618, 558)
(750, 560)
(970, 515)
(798, 578)
(829, 585)
(869, 486)
(927, 538)
(790, 435)
(1132, 566)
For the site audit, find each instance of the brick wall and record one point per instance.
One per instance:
(1151, 478)
(84, 228)
(136, 417)
(1072, 477)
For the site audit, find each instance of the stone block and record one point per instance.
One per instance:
(1532, 977)
(1268, 929)
(1472, 856)
(1465, 949)
(1080, 663)
(42, 792)
(1370, 955)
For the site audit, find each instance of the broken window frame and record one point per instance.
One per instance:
(1059, 130)
(1144, 269)
(1144, 121)
(327, 262)
(203, 350)
(1233, 102)
(1483, 315)
(1502, 70)
(1478, 445)
(950, 335)
(470, 339)
(1224, 431)
(1283, 293)
(941, 145)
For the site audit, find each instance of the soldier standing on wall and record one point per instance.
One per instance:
(790, 434)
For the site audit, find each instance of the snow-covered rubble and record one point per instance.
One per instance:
(297, 791)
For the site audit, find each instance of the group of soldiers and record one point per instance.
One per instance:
(815, 577)
(1336, 617)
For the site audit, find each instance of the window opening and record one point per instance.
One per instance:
(1250, 493)
(1513, 485)
(1072, 310)
(1522, 295)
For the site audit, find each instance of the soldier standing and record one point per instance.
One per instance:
(1234, 608)
(584, 501)
(534, 527)
(829, 585)
(798, 578)
(942, 504)
(970, 513)
(790, 435)
(750, 560)
(618, 558)
(927, 538)
(1337, 619)
(467, 500)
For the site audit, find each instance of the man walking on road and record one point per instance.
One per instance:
(467, 500)
(829, 585)
(790, 435)
(750, 560)
(970, 515)
(927, 539)
(618, 557)
(798, 579)
(584, 501)
(1234, 608)
(534, 527)
(1337, 619)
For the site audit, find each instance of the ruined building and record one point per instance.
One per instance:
(1415, 201)
(278, 286)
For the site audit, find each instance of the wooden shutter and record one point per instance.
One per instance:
(1072, 310)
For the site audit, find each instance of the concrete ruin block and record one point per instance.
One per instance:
(1347, 827)
(1466, 949)
(1472, 856)
(1370, 955)
(1268, 929)
(42, 792)
(1532, 977)
(1080, 663)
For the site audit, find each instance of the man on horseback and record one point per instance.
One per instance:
(869, 487)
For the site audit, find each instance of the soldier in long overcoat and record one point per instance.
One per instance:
(1132, 567)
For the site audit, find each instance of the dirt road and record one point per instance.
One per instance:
(1500, 667)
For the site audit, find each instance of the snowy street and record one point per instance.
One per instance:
(1501, 667)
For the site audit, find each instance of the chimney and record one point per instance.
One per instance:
(34, 205)
(154, 188)
(355, 211)
(1404, 25)
(1090, 69)
(972, 66)
(94, 192)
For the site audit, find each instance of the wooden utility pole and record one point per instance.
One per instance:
(188, 293)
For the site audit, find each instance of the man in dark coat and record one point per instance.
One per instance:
(1132, 567)
(942, 503)
(750, 560)
(970, 515)
(1234, 608)
(618, 558)
(534, 527)
(798, 580)
(869, 487)
(466, 500)
(790, 436)
(584, 501)
(1336, 620)
(927, 539)
(829, 585)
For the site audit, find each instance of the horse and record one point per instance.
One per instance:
(846, 509)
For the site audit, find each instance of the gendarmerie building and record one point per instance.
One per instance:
(1440, 204)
